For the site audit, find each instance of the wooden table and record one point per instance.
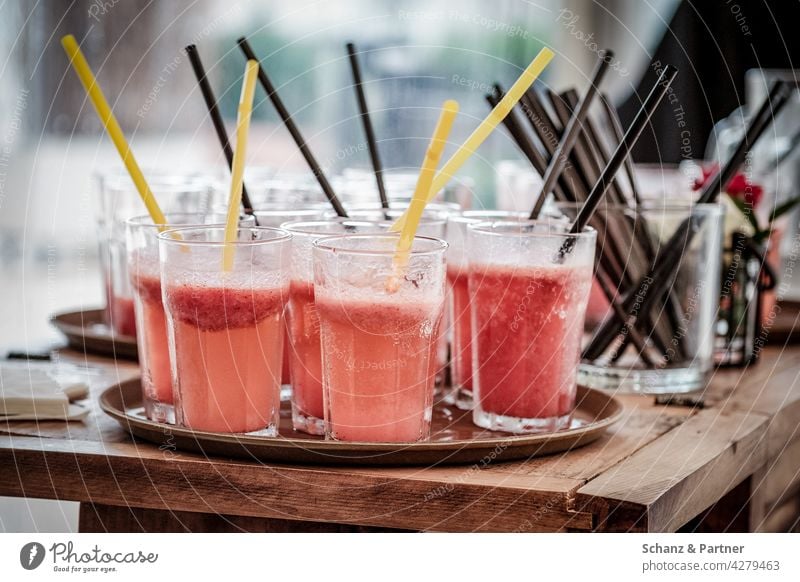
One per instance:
(732, 465)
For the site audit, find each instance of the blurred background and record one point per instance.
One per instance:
(414, 55)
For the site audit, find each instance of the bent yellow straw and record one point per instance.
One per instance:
(111, 126)
(422, 191)
(237, 166)
(473, 142)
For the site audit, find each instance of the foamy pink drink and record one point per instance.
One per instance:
(528, 302)
(226, 328)
(379, 333)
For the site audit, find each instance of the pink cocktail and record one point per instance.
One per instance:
(226, 328)
(145, 280)
(459, 300)
(277, 202)
(379, 336)
(527, 308)
(303, 322)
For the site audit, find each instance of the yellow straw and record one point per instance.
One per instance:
(237, 167)
(421, 193)
(113, 129)
(486, 127)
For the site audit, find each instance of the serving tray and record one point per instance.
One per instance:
(87, 332)
(454, 439)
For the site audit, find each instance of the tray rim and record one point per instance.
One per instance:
(579, 436)
(121, 346)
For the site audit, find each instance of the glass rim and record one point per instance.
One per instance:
(487, 228)
(466, 218)
(142, 219)
(648, 205)
(168, 235)
(289, 210)
(428, 220)
(324, 244)
(301, 226)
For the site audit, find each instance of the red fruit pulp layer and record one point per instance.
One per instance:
(379, 367)
(305, 357)
(228, 348)
(462, 330)
(529, 324)
(152, 339)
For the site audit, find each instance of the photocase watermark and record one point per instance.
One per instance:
(65, 558)
(537, 516)
(100, 8)
(487, 22)
(173, 65)
(738, 15)
(679, 113)
(485, 461)
(31, 555)
(471, 84)
(6, 148)
(569, 20)
(534, 284)
(343, 154)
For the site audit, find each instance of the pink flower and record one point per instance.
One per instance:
(740, 187)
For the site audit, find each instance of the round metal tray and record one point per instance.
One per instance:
(454, 439)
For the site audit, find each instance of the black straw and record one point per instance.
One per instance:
(624, 148)
(290, 125)
(763, 118)
(641, 299)
(362, 106)
(570, 135)
(216, 117)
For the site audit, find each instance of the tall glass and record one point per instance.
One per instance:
(528, 304)
(459, 302)
(151, 323)
(378, 335)
(305, 360)
(226, 329)
(118, 200)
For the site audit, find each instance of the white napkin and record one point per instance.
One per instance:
(35, 391)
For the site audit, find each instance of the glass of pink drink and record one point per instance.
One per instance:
(378, 335)
(272, 214)
(226, 329)
(118, 200)
(151, 322)
(527, 311)
(458, 299)
(303, 323)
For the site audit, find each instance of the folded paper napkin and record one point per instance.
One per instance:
(31, 391)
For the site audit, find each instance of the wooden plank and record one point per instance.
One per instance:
(642, 422)
(130, 474)
(671, 480)
(95, 518)
(775, 484)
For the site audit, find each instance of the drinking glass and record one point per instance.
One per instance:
(226, 328)
(151, 323)
(378, 331)
(529, 284)
(305, 360)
